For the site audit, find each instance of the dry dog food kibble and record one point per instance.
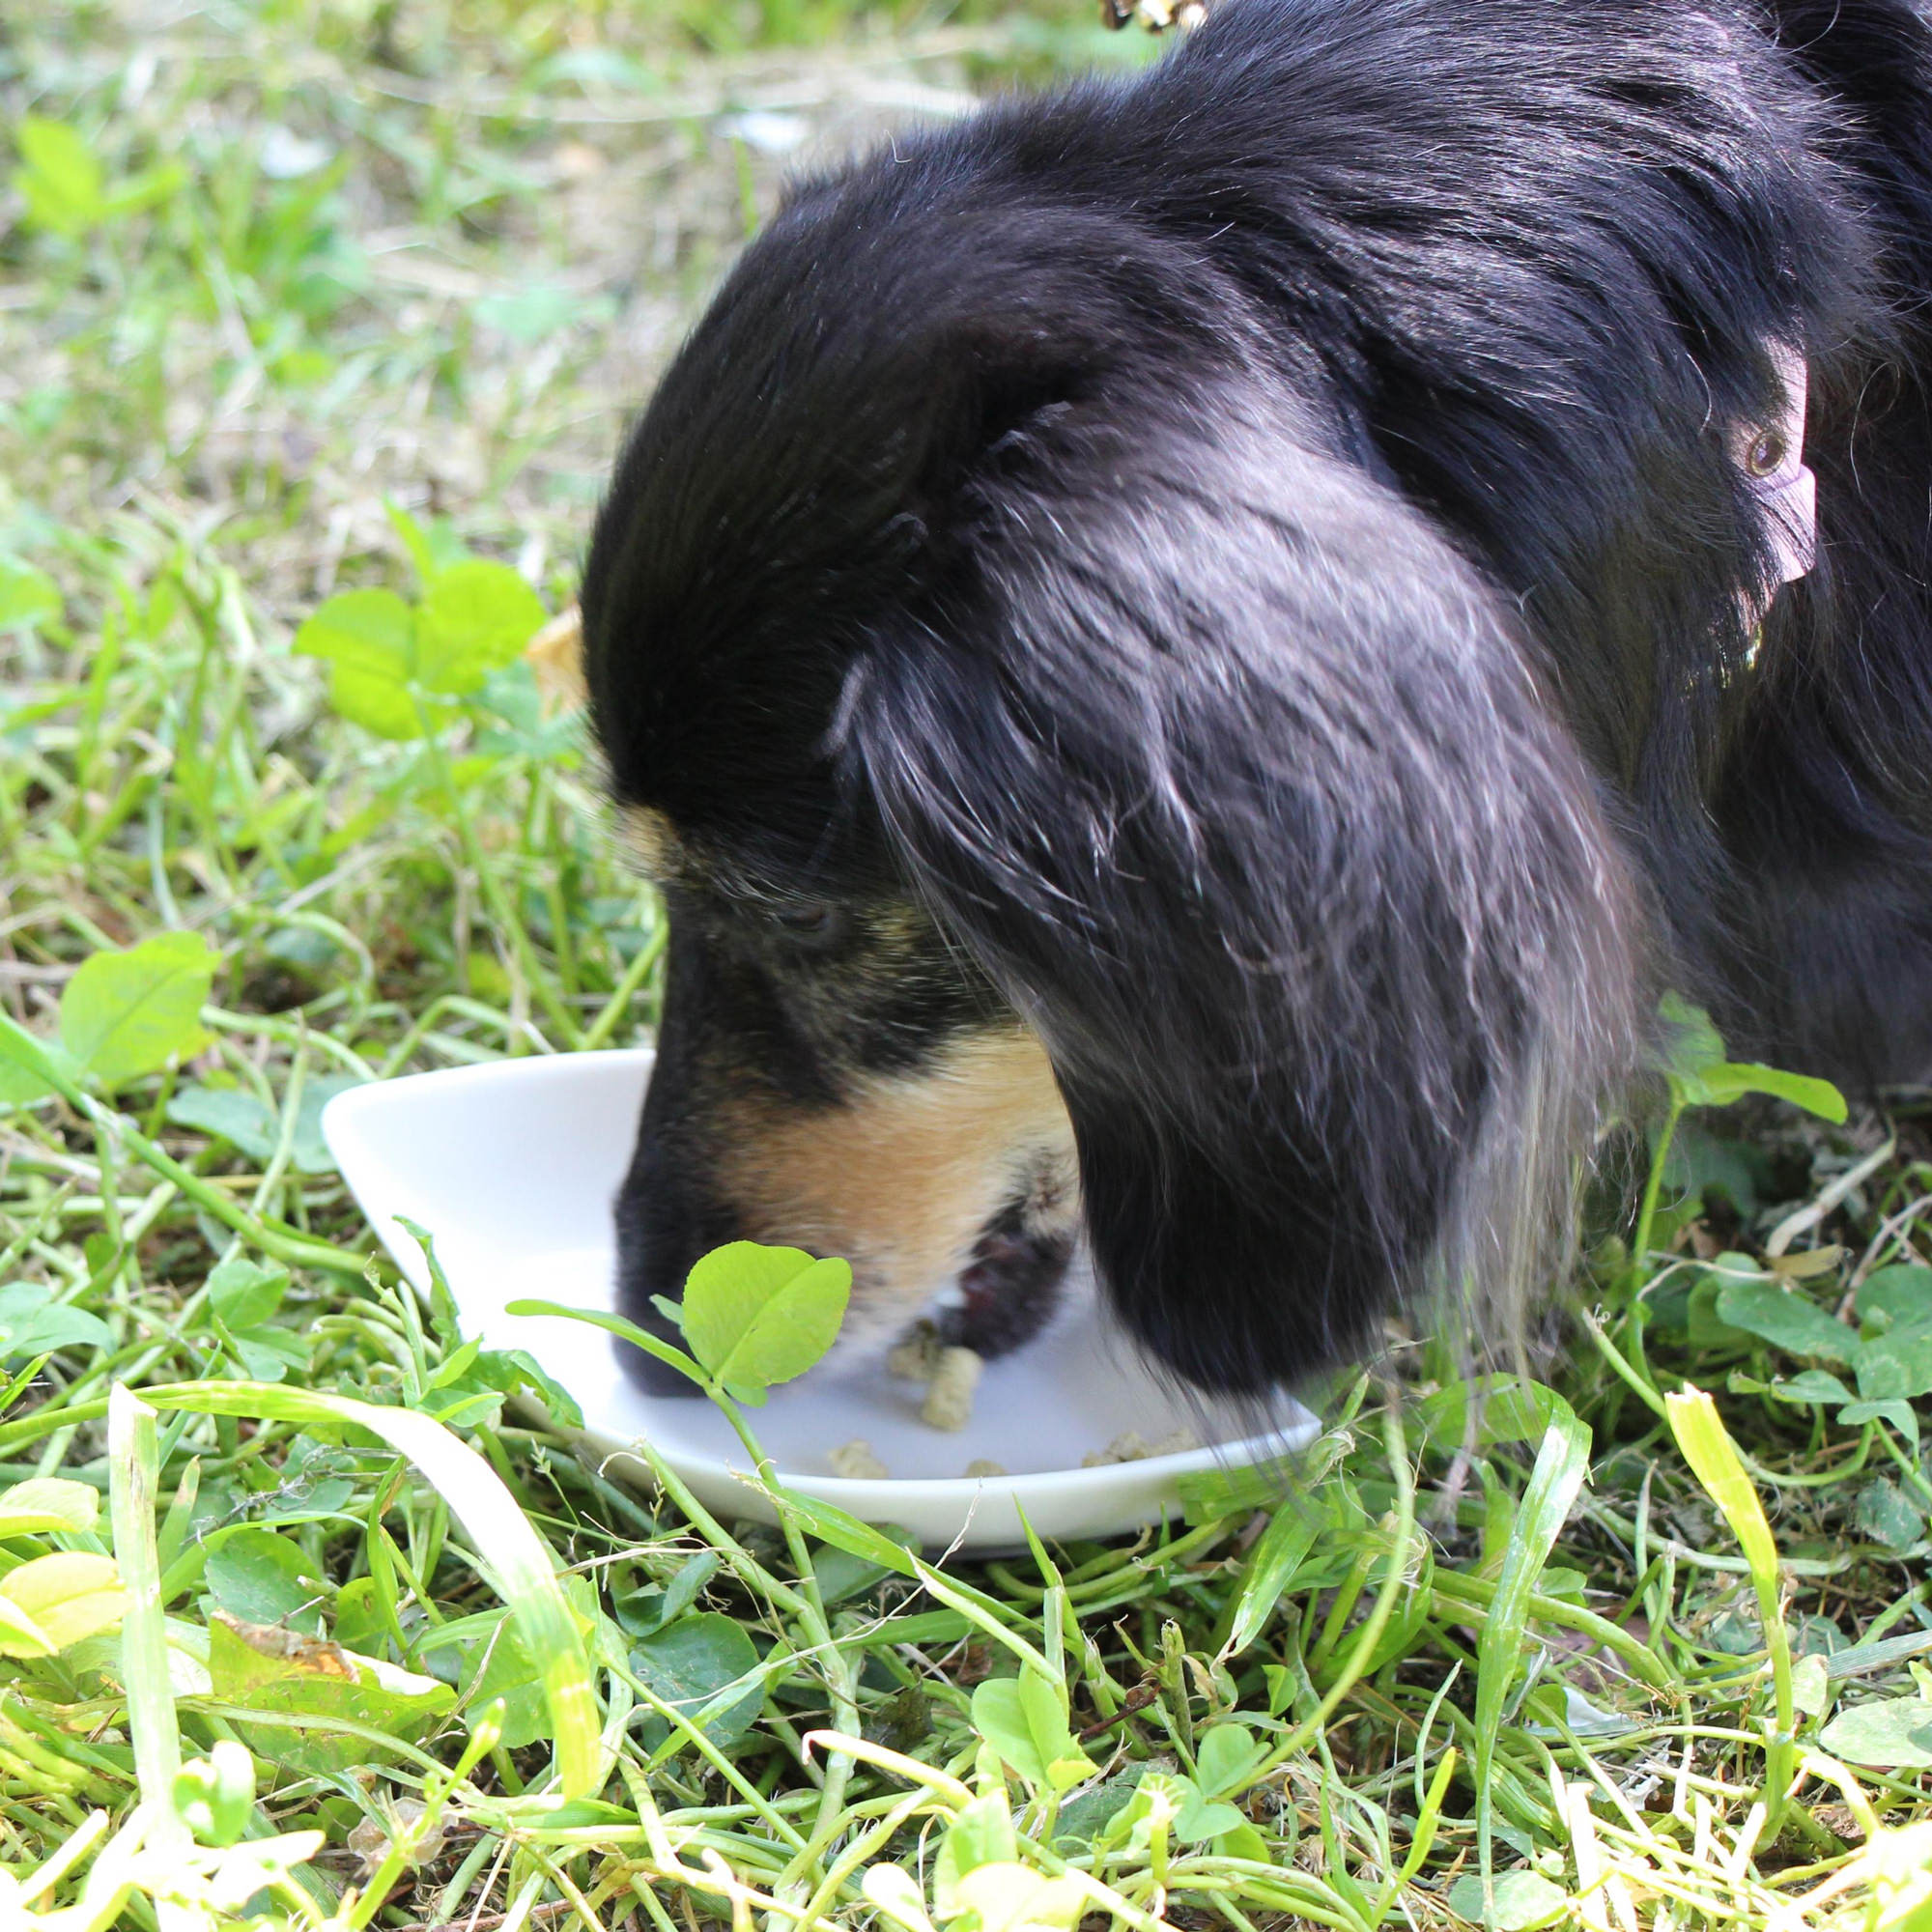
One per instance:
(949, 1399)
(949, 1374)
(856, 1458)
(981, 1466)
(1133, 1447)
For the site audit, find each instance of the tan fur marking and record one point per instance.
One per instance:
(651, 839)
(557, 655)
(903, 1178)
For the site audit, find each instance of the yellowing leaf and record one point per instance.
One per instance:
(45, 1503)
(68, 1596)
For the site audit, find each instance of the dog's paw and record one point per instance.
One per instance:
(1155, 15)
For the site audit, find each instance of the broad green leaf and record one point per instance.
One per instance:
(1723, 1084)
(245, 1121)
(1523, 1901)
(981, 1834)
(1089, 1814)
(689, 1663)
(262, 1577)
(31, 1322)
(59, 178)
(1888, 1516)
(1786, 1318)
(1012, 1897)
(1901, 1297)
(1700, 1076)
(19, 1634)
(214, 1794)
(46, 1503)
(126, 1014)
(1892, 1734)
(1895, 1365)
(474, 618)
(27, 596)
(1894, 1410)
(1693, 1045)
(1811, 1386)
(246, 1292)
(69, 1596)
(893, 1892)
(1024, 1719)
(367, 638)
(269, 1670)
(1224, 1758)
(1505, 1409)
(756, 1315)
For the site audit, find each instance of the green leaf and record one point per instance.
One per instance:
(1700, 1076)
(45, 1503)
(59, 178)
(1012, 1897)
(981, 1834)
(262, 1577)
(1888, 1516)
(1562, 1462)
(1506, 1410)
(756, 1315)
(244, 1293)
(68, 1596)
(1723, 1084)
(31, 1322)
(367, 638)
(1272, 1566)
(1897, 1365)
(689, 1663)
(266, 1670)
(27, 596)
(1522, 1900)
(1892, 1734)
(1901, 1297)
(214, 1794)
(1024, 1719)
(1894, 1410)
(1812, 1385)
(1224, 1758)
(126, 1014)
(245, 1121)
(1786, 1318)
(475, 617)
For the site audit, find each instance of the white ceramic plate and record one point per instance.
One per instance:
(513, 1167)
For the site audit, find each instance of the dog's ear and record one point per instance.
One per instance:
(1235, 780)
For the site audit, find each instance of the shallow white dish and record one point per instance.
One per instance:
(512, 1168)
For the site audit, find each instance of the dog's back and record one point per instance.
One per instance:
(1254, 566)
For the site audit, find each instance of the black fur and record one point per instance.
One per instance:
(1254, 555)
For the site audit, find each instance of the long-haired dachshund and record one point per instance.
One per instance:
(1191, 654)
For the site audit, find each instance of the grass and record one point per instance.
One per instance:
(301, 1623)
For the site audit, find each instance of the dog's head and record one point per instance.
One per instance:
(1084, 798)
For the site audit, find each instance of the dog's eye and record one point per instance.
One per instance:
(817, 922)
(1767, 452)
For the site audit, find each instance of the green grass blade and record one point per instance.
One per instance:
(1561, 1464)
(521, 1566)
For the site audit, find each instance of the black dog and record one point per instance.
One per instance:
(1191, 655)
